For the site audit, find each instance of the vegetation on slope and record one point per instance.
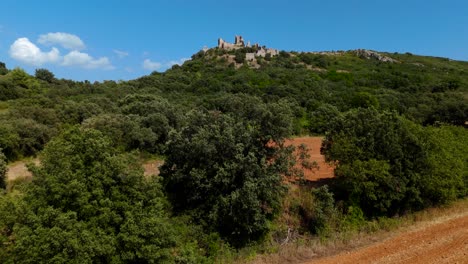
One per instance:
(395, 131)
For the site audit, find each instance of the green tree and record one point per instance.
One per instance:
(220, 171)
(3, 68)
(446, 176)
(379, 153)
(88, 204)
(45, 75)
(320, 118)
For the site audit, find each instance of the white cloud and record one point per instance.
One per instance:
(154, 65)
(27, 52)
(178, 62)
(66, 40)
(121, 54)
(84, 60)
(151, 66)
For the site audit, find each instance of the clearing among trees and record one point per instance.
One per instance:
(313, 144)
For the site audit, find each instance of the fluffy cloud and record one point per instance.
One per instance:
(120, 54)
(178, 62)
(67, 41)
(84, 60)
(151, 66)
(27, 52)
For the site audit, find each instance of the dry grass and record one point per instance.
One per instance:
(18, 172)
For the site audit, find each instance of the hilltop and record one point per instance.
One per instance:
(223, 124)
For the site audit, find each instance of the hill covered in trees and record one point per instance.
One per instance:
(394, 127)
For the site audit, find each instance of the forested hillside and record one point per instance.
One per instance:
(394, 127)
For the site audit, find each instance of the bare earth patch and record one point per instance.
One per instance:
(19, 170)
(441, 241)
(324, 171)
(151, 167)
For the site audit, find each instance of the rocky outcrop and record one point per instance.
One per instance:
(372, 55)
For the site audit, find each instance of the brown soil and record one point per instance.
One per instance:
(443, 241)
(19, 170)
(151, 167)
(324, 170)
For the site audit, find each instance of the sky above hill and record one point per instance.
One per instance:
(121, 40)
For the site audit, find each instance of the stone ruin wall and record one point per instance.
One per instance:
(239, 43)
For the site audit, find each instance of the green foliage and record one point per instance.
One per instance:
(45, 75)
(32, 135)
(9, 141)
(3, 170)
(323, 211)
(387, 164)
(227, 164)
(370, 185)
(446, 176)
(364, 100)
(220, 171)
(239, 56)
(320, 118)
(125, 131)
(89, 205)
(3, 68)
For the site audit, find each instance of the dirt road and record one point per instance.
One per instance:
(443, 241)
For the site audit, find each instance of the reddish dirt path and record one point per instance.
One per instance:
(313, 144)
(443, 241)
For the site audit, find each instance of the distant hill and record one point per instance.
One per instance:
(426, 89)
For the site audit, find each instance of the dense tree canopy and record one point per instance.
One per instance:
(387, 164)
(220, 171)
(89, 204)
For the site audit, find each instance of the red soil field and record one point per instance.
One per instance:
(324, 171)
(444, 241)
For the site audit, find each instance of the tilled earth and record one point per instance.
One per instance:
(443, 241)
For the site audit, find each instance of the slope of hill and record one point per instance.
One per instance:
(393, 128)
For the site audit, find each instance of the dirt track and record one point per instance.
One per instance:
(443, 241)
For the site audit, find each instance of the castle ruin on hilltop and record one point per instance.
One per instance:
(261, 51)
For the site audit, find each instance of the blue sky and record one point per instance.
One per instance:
(121, 40)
